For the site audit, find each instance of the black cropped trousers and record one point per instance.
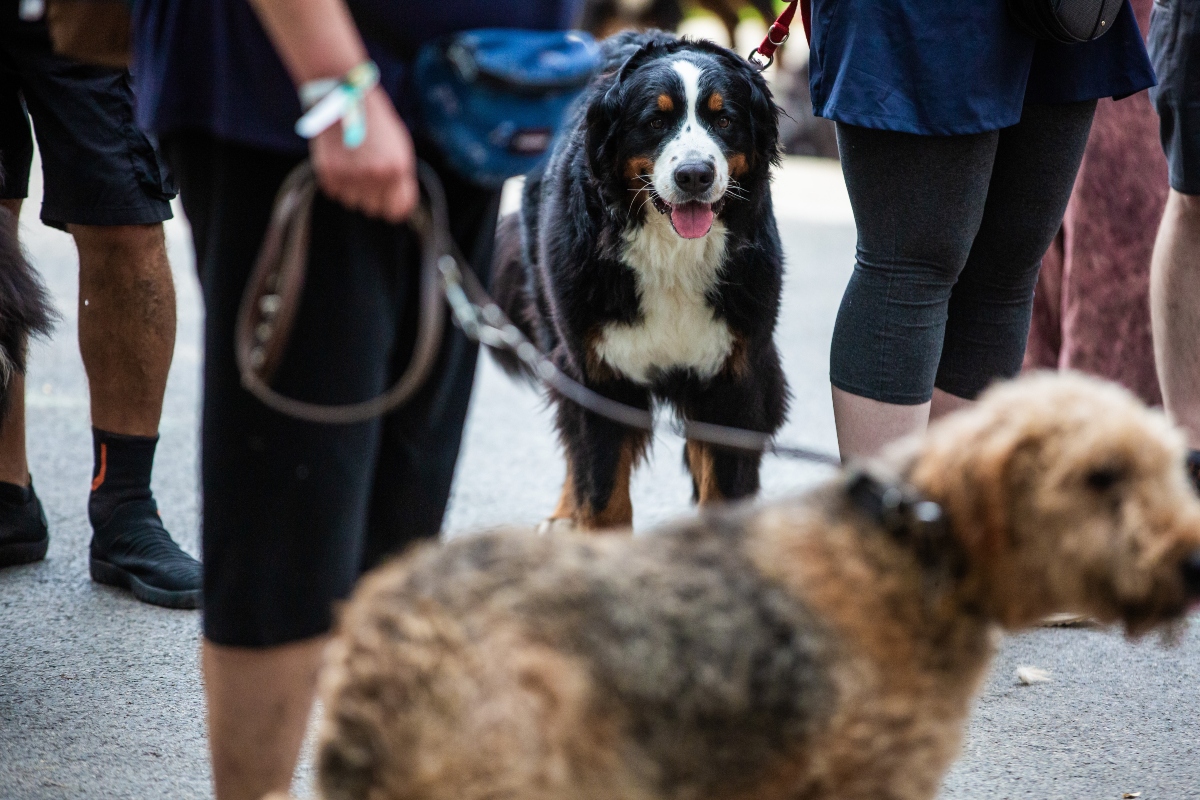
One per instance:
(951, 234)
(293, 511)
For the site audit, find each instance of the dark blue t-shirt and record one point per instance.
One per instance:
(208, 65)
(942, 67)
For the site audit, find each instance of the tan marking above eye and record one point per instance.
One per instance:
(665, 103)
(715, 101)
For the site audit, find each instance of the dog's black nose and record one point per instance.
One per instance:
(1191, 575)
(695, 177)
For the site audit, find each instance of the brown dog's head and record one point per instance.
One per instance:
(1067, 495)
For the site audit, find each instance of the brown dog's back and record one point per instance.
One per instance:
(524, 644)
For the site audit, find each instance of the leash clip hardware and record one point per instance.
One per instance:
(465, 312)
(755, 58)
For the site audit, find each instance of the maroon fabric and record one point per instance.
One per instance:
(1092, 307)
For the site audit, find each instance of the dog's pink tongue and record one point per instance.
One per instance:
(692, 220)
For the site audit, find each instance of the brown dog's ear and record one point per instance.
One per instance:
(970, 476)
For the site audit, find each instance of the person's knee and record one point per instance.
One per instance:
(138, 246)
(926, 258)
(1186, 207)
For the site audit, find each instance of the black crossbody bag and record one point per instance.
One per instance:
(1068, 21)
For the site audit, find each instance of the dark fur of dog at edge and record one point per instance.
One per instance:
(24, 306)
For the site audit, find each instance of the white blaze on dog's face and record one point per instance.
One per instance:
(691, 172)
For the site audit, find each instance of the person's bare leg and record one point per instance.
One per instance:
(944, 403)
(14, 466)
(126, 323)
(1175, 311)
(127, 339)
(864, 426)
(126, 335)
(259, 702)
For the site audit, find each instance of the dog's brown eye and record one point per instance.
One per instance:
(657, 124)
(1103, 479)
(722, 122)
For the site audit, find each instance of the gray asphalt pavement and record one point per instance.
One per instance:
(100, 695)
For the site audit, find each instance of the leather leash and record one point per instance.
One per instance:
(273, 293)
(779, 32)
(272, 298)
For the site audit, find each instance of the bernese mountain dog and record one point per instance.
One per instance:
(646, 263)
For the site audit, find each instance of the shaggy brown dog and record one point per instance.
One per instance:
(820, 647)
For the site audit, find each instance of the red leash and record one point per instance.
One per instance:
(779, 32)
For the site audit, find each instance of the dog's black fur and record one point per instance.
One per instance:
(24, 306)
(566, 279)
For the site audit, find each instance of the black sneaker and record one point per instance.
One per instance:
(24, 534)
(134, 551)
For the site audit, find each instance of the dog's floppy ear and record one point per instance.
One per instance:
(764, 114)
(972, 480)
(605, 110)
(602, 117)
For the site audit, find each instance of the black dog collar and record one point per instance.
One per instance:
(912, 520)
(897, 507)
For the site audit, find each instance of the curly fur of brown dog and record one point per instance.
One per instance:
(789, 650)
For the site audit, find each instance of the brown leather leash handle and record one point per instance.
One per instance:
(273, 294)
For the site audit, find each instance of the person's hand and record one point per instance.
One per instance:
(379, 177)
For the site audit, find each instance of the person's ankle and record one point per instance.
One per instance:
(16, 494)
(18, 476)
(120, 474)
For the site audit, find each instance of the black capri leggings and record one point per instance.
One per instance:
(951, 233)
(294, 512)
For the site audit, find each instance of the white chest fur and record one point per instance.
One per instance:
(678, 327)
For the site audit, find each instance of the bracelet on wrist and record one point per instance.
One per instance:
(330, 100)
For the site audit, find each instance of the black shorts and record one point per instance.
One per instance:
(98, 167)
(294, 512)
(1174, 45)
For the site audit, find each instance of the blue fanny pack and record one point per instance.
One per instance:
(493, 99)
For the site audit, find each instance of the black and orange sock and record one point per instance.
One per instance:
(120, 472)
